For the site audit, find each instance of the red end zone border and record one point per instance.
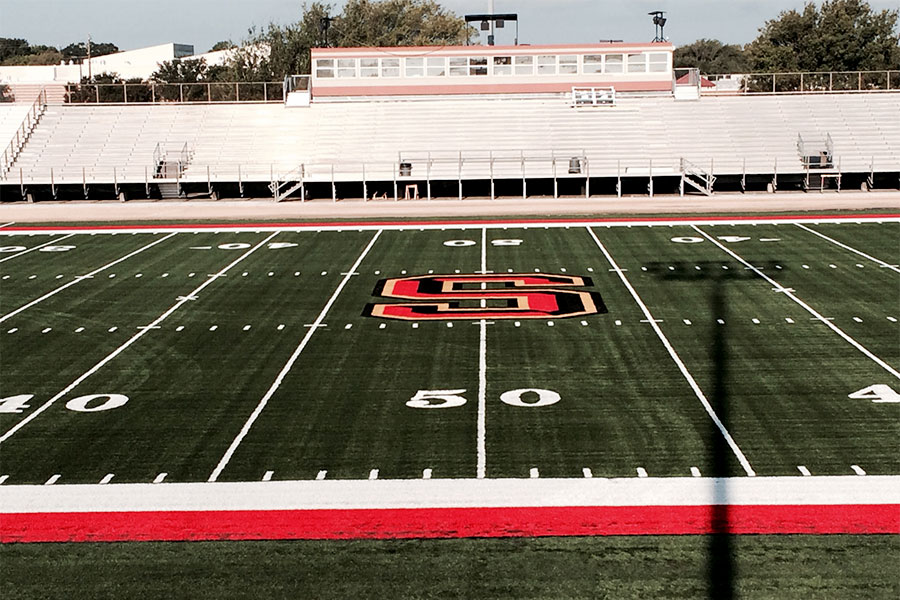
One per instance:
(429, 523)
(376, 224)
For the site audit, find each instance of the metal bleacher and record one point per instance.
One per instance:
(464, 138)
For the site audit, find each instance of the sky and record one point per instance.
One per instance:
(137, 23)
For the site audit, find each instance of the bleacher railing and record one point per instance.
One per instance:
(159, 93)
(23, 132)
(803, 82)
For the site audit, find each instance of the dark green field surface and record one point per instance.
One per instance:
(777, 376)
(757, 567)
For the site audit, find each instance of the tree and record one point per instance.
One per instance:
(712, 57)
(79, 49)
(361, 23)
(223, 45)
(191, 70)
(842, 35)
(10, 47)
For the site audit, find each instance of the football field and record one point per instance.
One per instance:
(500, 350)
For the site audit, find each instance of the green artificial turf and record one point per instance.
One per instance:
(689, 567)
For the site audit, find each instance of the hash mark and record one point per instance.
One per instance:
(789, 320)
(549, 323)
(79, 330)
(695, 472)
(160, 478)
(348, 326)
(534, 473)
(426, 474)
(214, 327)
(48, 329)
(373, 474)
(112, 329)
(517, 324)
(164, 275)
(892, 319)
(267, 476)
(857, 319)
(858, 470)
(642, 472)
(803, 471)
(321, 475)
(179, 328)
(805, 266)
(585, 323)
(618, 322)
(449, 324)
(246, 328)
(106, 478)
(191, 274)
(296, 273)
(271, 273)
(382, 326)
(687, 321)
(720, 321)
(755, 321)
(13, 330)
(587, 473)
(415, 326)
(53, 479)
(3, 479)
(324, 272)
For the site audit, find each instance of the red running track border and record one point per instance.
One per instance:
(450, 222)
(448, 523)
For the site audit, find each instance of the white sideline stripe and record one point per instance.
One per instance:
(288, 365)
(681, 366)
(806, 306)
(54, 241)
(7, 224)
(846, 247)
(316, 228)
(452, 493)
(124, 346)
(481, 451)
(82, 278)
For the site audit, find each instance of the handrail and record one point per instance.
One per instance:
(23, 132)
(794, 82)
(152, 92)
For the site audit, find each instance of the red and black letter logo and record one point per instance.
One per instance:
(492, 296)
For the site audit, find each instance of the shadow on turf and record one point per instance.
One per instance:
(720, 552)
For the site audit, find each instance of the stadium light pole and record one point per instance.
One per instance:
(659, 22)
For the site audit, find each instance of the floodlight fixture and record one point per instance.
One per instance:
(489, 21)
(659, 22)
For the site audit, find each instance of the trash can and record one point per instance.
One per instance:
(405, 169)
(574, 165)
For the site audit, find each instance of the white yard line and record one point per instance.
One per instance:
(846, 247)
(681, 366)
(452, 493)
(7, 224)
(53, 241)
(289, 364)
(141, 332)
(481, 470)
(81, 278)
(787, 292)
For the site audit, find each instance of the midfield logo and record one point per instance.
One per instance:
(491, 296)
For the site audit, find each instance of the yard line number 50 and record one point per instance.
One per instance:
(452, 398)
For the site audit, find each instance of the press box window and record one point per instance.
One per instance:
(415, 67)
(459, 66)
(593, 63)
(502, 65)
(524, 65)
(568, 64)
(325, 67)
(368, 67)
(437, 67)
(346, 67)
(659, 62)
(613, 63)
(637, 63)
(547, 65)
(390, 67)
